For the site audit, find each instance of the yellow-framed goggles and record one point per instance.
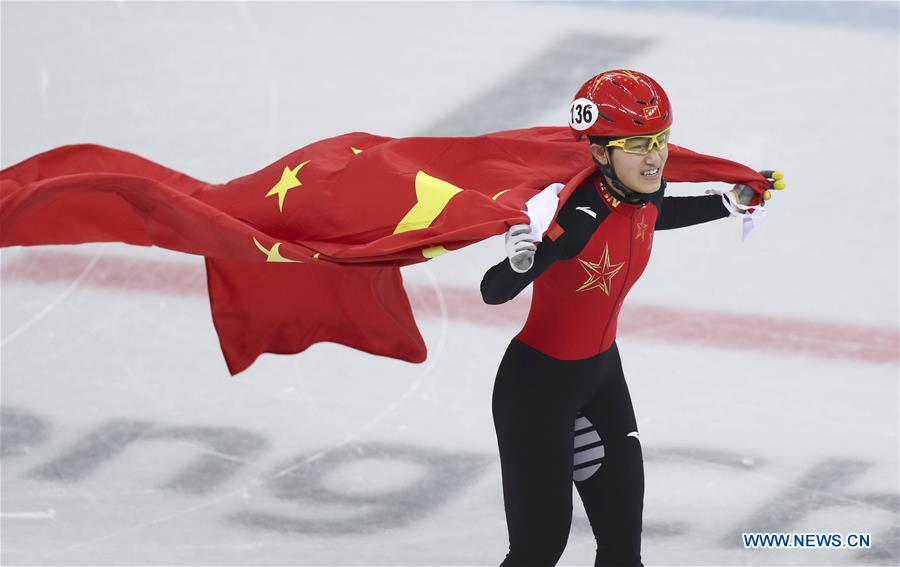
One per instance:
(641, 144)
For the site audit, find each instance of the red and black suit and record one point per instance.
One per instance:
(561, 375)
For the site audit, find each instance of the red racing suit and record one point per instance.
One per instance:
(588, 260)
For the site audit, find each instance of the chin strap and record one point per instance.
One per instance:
(626, 195)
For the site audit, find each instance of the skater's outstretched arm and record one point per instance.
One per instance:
(678, 212)
(501, 283)
(579, 217)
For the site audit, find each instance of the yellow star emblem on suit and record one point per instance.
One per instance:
(600, 274)
(287, 182)
(641, 228)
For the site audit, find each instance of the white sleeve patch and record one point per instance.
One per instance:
(541, 208)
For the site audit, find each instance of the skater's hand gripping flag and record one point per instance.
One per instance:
(745, 196)
(748, 202)
(520, 248)
(743, 199)
(308, 249)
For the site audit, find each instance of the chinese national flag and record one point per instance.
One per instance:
(308, 249)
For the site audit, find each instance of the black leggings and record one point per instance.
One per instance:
(540, 403)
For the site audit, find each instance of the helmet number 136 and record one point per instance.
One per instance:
(582, 114)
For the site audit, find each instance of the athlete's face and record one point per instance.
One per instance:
(640, 173)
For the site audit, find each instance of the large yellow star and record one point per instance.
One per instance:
(287, 182)
(600, 274)
(432, 196)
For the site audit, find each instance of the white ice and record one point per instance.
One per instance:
(336, 457)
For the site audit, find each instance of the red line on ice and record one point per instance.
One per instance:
(696, 327)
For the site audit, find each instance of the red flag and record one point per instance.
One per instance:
(308, 249)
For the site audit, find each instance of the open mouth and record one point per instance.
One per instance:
(650, 173)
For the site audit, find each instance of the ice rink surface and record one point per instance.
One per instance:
(764, 374)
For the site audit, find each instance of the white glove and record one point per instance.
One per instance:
(520, 248)
(742, 195)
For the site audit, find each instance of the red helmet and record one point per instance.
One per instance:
(618, 104)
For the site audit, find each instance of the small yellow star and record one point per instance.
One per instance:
(355, 151)
(273, 255)
(287, 182)
(433, 251)
(641, 228)
(600, 274)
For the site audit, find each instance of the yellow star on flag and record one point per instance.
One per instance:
(433, 251)
(287, 182)
(432, 196)
(273, 255)
(600, 274)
